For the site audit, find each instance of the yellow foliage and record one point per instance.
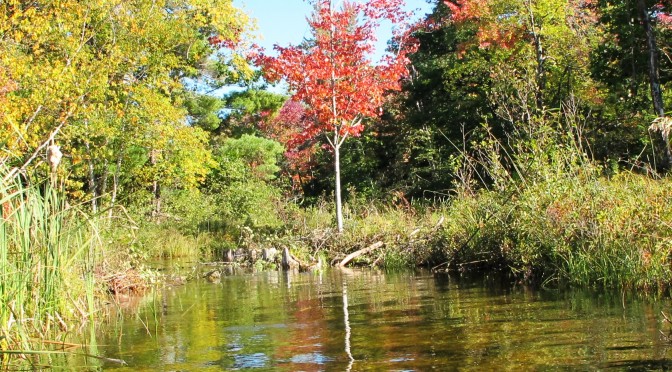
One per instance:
(107, 74)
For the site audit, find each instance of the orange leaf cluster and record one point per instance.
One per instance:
(490, 33)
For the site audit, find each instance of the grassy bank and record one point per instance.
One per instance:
(580, 228)
(593, 231)
(540, 209)
(55, 271)
(590, 232)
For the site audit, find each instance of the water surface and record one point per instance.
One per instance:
(368, 320)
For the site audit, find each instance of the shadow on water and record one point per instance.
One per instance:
(640, 365)
(367, 320)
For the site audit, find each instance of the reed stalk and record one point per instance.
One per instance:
(46, 261)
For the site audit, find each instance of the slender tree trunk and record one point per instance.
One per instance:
(540, 77)
(337, 170)
(156, 186)
(117, 169)
(156, 190)
(654, 81)
(93, 187)
(115, 181)
(104, 178)
(337, 140)
(654, 77)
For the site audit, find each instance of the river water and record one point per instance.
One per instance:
(363, 320)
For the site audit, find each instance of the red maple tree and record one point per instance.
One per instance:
(333, 75)
(285, 127)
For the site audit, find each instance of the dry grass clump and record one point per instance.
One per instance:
(127, 282)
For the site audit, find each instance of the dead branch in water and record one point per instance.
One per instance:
(360, 252)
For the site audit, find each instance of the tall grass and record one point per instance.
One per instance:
(553, 214)
(604, 232)
(47, 256)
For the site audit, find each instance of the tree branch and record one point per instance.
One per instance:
(41, 147)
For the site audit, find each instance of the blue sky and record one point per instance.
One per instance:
(283, 22)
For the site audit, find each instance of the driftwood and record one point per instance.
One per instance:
(269, 254)
(360, 252)
(288, 261)
(229, 255)
(291, 262)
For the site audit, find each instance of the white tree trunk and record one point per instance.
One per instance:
(348, 330)
(115, 182)
(337, 169)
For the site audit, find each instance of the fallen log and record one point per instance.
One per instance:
(360, 252)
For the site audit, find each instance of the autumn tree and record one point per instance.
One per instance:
(544, 44)
(334, 76)
(629, 63)
(106, 81)
(285, 127)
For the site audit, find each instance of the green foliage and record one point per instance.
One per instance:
(447, 99)
(254, 101)
(243, 184)
(204, 111)
(106, 79)
(48, 253)
(249, 156)
(251, 109)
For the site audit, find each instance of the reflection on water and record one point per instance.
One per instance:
(367, 320)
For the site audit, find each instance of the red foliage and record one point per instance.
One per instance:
(662, 14)
(489, 34)
(218, 42)
(333, 75)
(465, 10)
(285, 127)
(233, 40)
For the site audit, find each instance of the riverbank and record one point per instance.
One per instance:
(59, 266)
(588, 230)
(595, 232)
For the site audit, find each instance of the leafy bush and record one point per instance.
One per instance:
(244, 186)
